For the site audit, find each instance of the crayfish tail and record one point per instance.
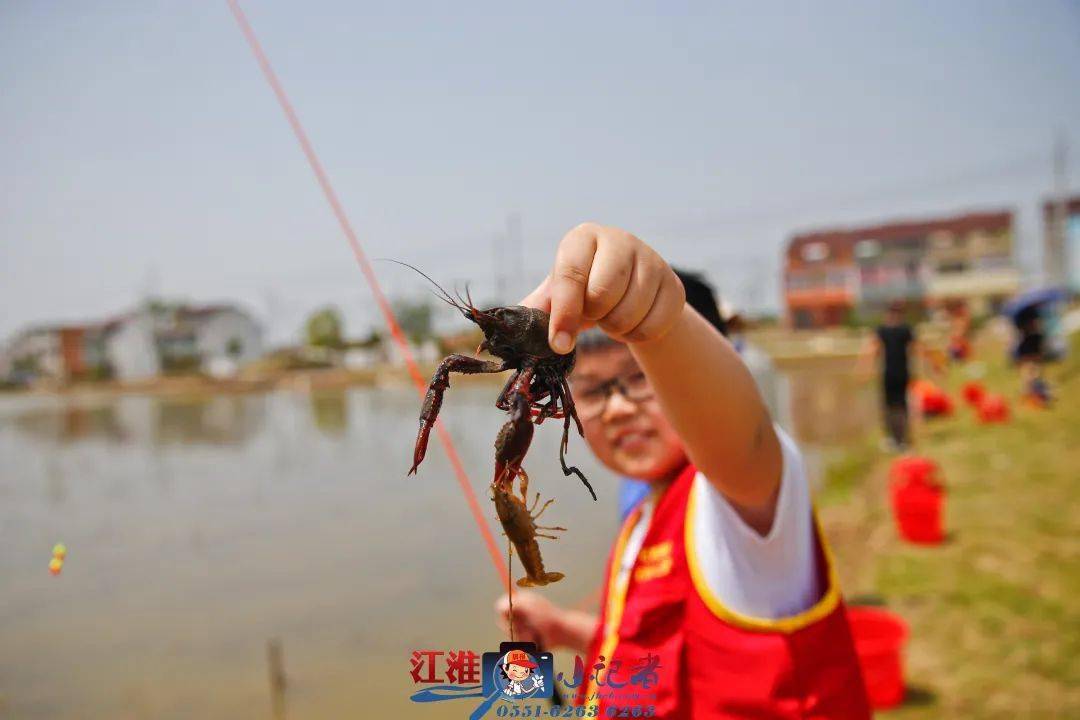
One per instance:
(546, 579)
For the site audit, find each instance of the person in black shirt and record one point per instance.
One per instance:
(892, 342)
(1030, 355)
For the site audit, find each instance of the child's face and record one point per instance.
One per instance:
(632, 438)
(517, 672)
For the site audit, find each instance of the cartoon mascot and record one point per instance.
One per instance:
(517, 670)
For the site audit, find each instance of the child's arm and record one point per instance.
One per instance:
(608, 277)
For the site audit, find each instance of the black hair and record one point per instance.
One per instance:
(700, 295)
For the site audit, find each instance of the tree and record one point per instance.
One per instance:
(415, 318)
(323, 328)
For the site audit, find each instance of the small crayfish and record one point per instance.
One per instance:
(537, 390)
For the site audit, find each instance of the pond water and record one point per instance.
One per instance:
(199, 530)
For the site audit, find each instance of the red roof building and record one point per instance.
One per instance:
(832, 276)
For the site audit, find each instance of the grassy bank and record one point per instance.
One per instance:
(994, 612)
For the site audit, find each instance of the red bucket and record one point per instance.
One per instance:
(931, 400)
(879, 642)
(914, 469)
(974, 392)
(993, 408)
(918, 500)
(918, 511)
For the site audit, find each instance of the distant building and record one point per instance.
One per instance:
(34, 352)
(426, 352)
(1061, 249)
(156, 338)
(142, 344)
(832, 275)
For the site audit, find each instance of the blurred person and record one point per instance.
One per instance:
(1030, 354)
(721, 574)
(892, 343)
(959, 332)
(736, 325)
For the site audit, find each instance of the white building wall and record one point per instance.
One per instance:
(214, 334)
(131, 350)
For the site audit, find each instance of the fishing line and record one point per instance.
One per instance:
(373, 282)
(510, 586)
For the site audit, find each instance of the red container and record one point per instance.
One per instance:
(993, 409)
(879, 642)
(973, 393)
(932, 400)
(914, 469)
(918, 499)
(918, 510)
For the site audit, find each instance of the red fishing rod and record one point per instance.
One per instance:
(373, 282)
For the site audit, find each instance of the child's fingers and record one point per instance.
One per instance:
(636, 301)
(569, 280)
(611, 273)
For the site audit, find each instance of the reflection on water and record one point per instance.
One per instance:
(330, 411)
(200, 529)
(225, 420)
(826, 405)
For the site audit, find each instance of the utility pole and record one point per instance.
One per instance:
(498, 243)
(1054, 249)
(514, 253)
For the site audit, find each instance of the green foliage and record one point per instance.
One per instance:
(173, 364)
(26, 365)
(856, 318)
(374, 339)
(234, 348)
(415, 318)
(323, 329)
(99, 373)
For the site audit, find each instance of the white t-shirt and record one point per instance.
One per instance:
(769, 577)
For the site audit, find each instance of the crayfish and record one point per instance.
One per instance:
(537, 390)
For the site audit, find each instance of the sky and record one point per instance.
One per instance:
(142, 153)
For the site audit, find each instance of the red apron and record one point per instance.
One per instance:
(714, 662)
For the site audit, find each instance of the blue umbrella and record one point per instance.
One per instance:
(1032, 299)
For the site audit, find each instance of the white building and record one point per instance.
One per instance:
(34, 352)
(142, 344)
(130, 349)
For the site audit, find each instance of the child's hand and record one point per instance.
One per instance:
(607, 277)
(536, 619)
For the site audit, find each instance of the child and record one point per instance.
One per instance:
(721, 573)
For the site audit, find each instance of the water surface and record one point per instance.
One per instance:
(199, 529)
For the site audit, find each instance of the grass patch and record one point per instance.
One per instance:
(995, 612)
(844, 470)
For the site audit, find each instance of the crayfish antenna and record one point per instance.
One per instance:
(442, 294)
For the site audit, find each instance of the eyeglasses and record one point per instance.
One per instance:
(591, 399)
